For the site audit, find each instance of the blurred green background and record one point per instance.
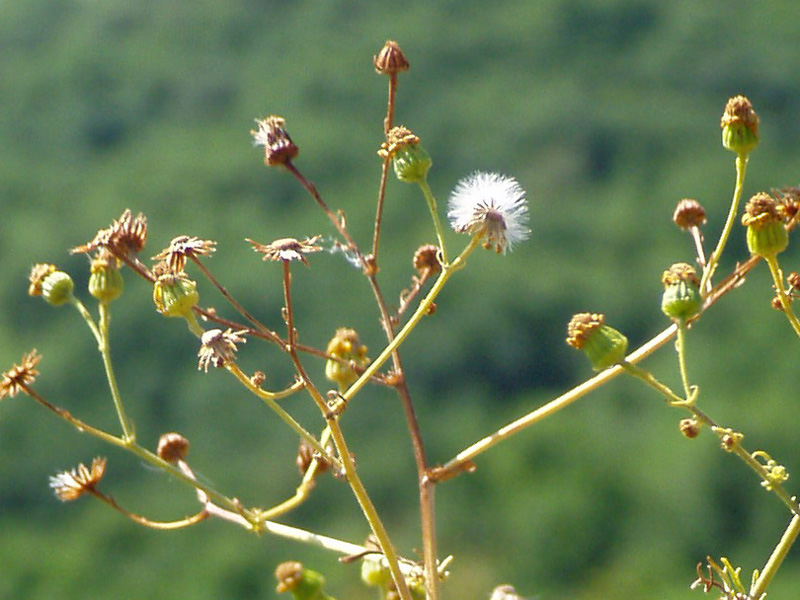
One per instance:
(606, 112)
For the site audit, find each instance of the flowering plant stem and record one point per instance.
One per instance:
(680, 347)
(431, 200)
(776, 558)
(741, 169)
(105, 351)
(734, 446)
(777, 278)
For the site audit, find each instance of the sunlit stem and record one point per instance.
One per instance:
(270, 398)
(777, 278)
(776, 558)
(163, 525)
(105, 352)
(735, 448)
(194, 326)
(431, 200)
(375, 523)
(89, 320)
(132, 447)
(741, 168)
(421, 311)
(303, 489)
(680, 347)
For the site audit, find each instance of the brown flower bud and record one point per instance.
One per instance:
(390, 60)
(689, 213)
(172, 447)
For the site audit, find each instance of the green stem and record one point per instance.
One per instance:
(776, 558)
(777, 277)
(269, 400)
(105, 351)
(708, 273)
(89, 320)
(680, 346)
(736, 447)
(431, 200)
(368, 509)
(421, 311)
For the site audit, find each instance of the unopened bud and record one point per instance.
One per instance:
(57, 288)
(681, 298)
(174, 294)
(764, 219)
(390, 60)
(739, 125)
(105, 279)
(172, 447)
(410, 160)
(603, 345)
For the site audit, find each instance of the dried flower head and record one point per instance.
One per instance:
(20, 375)
(689, 213)
(218, 347)
(287, 249)
(38, 273)
(172, 447)
(681, 299)
(492, 206)
(279, 148)
(71, 485)
(690, 427)
(125, 236)
(182, 247)
(390, 60)
(426, 260)
(396, 138)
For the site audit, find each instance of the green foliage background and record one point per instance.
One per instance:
(606, 112)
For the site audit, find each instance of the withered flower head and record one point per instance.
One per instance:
(689, 213)
(23, 374)
(172, 447)
(396, 138)
(761, 210)
(184, 246)
(278, 146)
(426, 260)
(126, 236)
(678, 273)
(218, 347)
(581, 326)
(38, 273)
(390, 60)
(71, 485)
(287, 249)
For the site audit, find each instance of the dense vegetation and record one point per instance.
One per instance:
(606, 112)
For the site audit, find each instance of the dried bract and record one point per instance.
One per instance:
(287, 249)
(182, 247)
(278, 146)
(125, 236)
(20, 375)
(218, 347)
(71, 485)
(390, 60)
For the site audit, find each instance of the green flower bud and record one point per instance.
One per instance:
(304, 584)
(57, 288)
(345, 345)
(604, 346)
(411, 161)
(174, 295)
(105, 279)
(739, 125)
(764, 218)
(373, 573)
(681, 298)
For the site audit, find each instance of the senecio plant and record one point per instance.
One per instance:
(490, 209)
